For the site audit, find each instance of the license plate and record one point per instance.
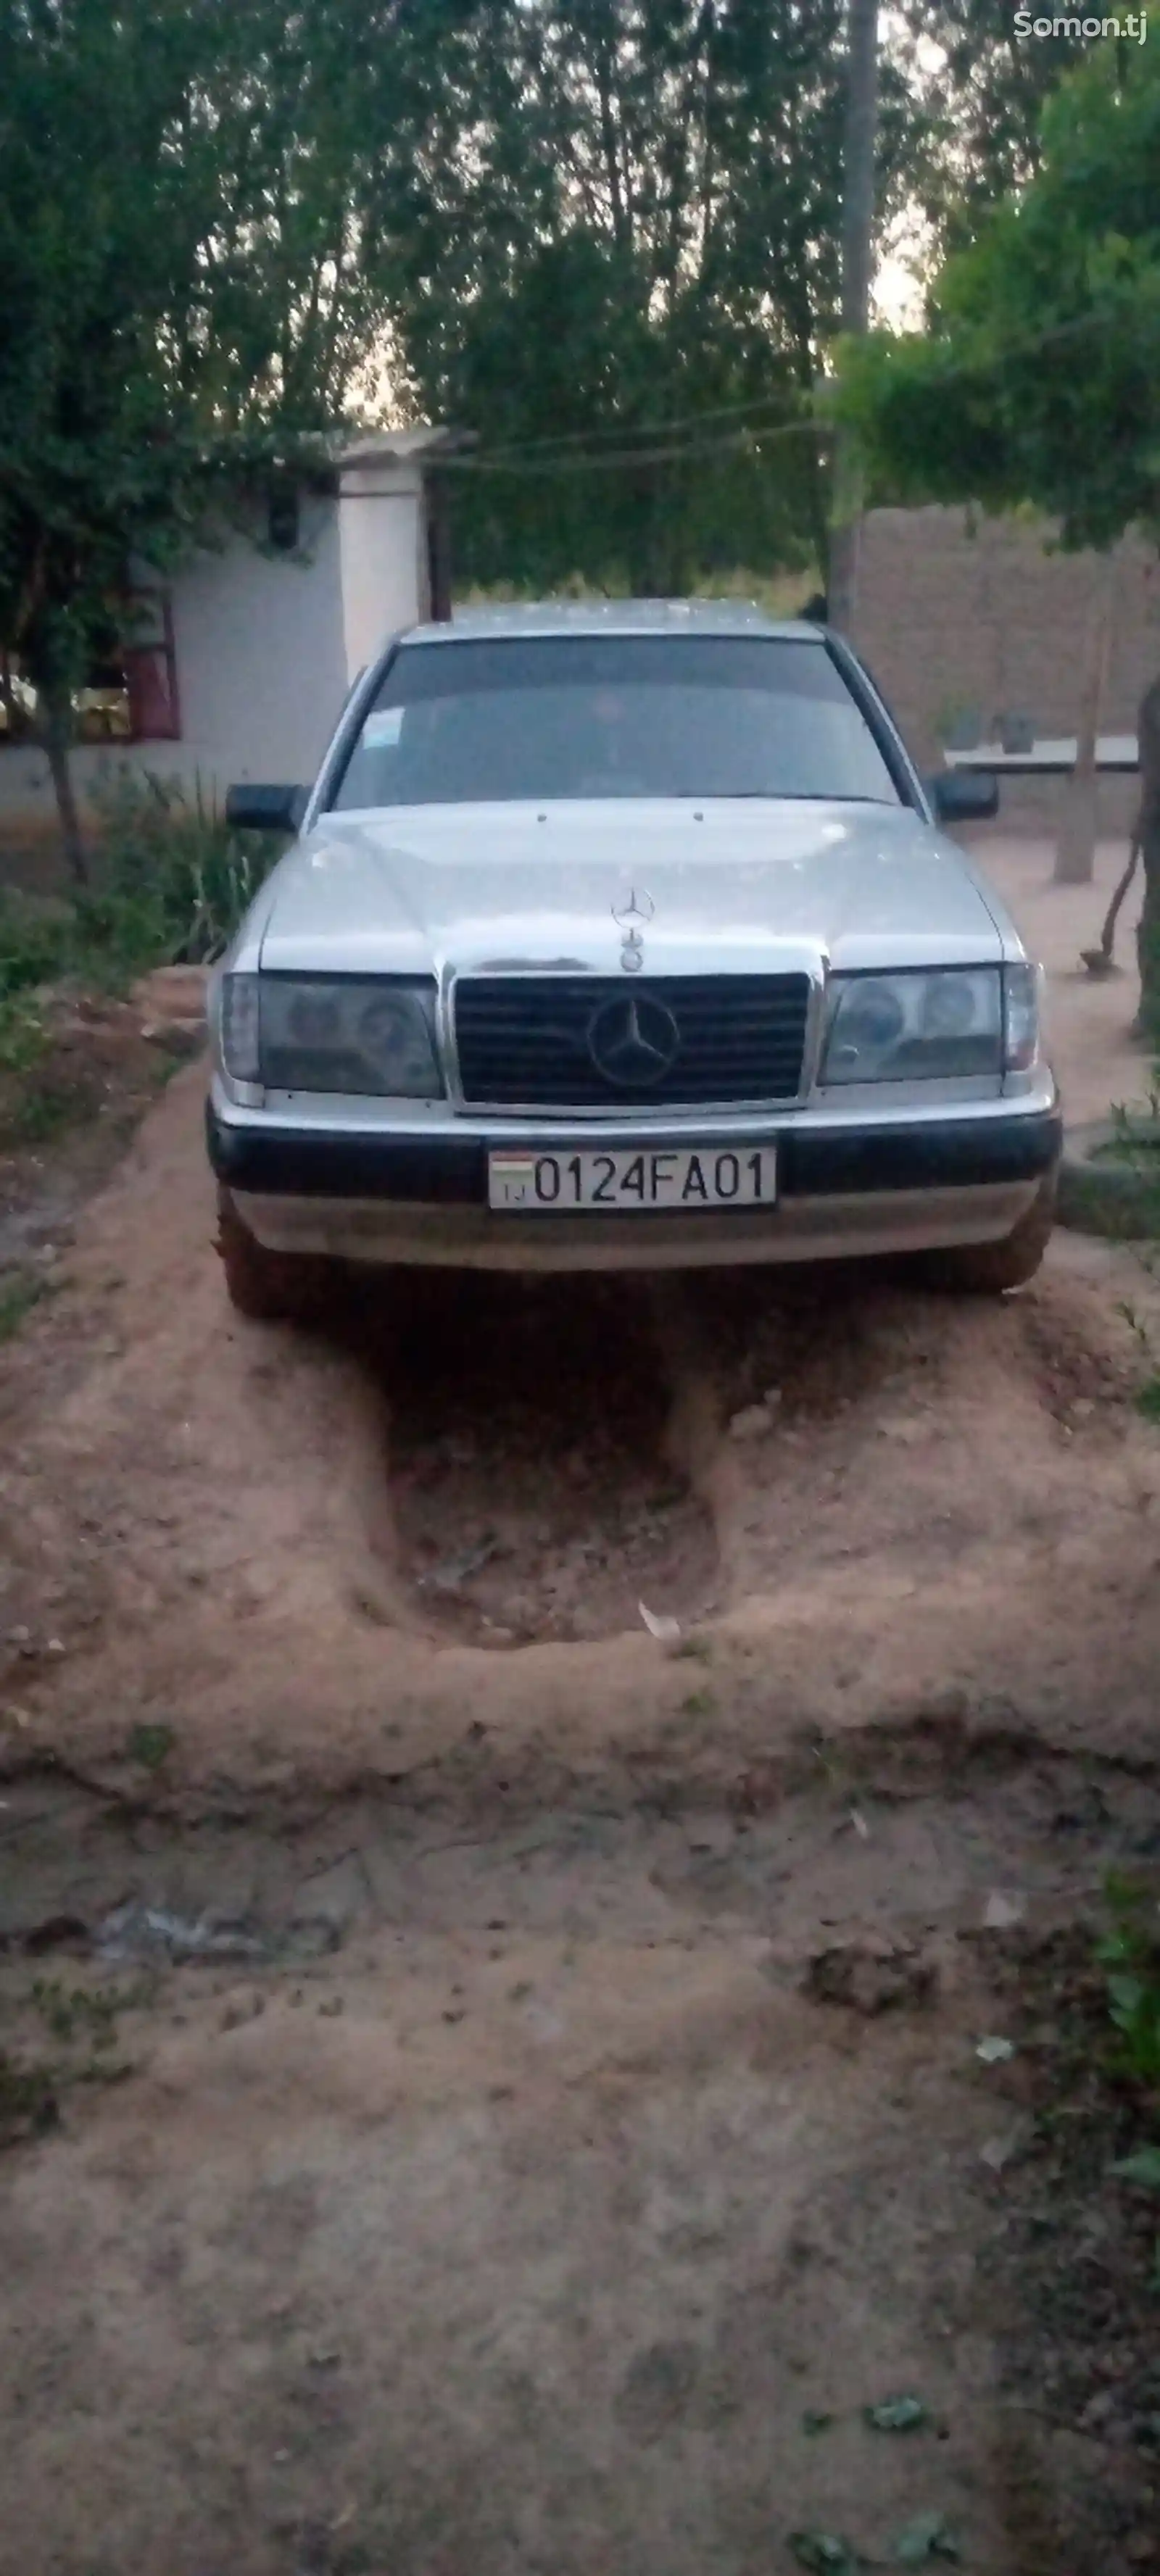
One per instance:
(634, 1180)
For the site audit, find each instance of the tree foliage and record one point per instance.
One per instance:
(186, 288)
(982, 88)
(569, 224)
(1038, 378)
(639, 228)
(601, 233)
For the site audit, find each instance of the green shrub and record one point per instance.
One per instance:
(173, 880)
(19, 1293)
(23, 1036)
(36, 942)
(32, 953)
(172, 883)
(1130, 1952)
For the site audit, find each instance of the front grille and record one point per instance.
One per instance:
(525, 1039)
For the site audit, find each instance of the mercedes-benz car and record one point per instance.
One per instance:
(624, 937)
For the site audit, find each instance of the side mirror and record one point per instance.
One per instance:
(265, 809)
(964, 795)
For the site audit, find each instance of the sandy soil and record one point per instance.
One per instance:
(951, 1499)
(487, 2185)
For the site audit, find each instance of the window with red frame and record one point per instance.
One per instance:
(131, 692)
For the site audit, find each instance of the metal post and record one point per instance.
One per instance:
(438, 508)
(857, 269)
(1075, 849)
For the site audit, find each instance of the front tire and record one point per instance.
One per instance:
(270, 1287)
(992, 1269)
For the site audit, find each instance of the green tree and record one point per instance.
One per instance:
(187, 291)
(639, 227)
(982, 87)
(1038, 378)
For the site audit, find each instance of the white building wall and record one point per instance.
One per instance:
(266, 646)
(261, 669)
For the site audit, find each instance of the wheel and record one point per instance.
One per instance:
(270, 1287)
(990, 1269)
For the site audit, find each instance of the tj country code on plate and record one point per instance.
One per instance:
(742, 1176)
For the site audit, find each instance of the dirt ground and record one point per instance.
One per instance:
(484, 2080)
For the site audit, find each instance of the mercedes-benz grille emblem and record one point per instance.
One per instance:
(635, 1042)
(635, 909)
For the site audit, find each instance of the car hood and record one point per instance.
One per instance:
(719, 887)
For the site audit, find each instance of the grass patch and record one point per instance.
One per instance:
(34, 945)
(25, 1044)
(1135, 1136)
(171, 884)
(173, 880)
(24, 1039)
(31, 2088)
(1135, 1145)
(1072, 2260)
(71, 2012)
(18, 1295)
(29, 2105)
(81, 2025)
(1130, 1951)
(35, 1116)
(1148, 1399)
(150, 1745)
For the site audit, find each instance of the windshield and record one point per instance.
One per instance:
(549, 716)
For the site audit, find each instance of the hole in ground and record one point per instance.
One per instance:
(827, 1337)
(535, 1492)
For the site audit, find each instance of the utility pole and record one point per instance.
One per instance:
(861, 136)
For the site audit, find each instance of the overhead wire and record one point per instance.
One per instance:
(529, 456)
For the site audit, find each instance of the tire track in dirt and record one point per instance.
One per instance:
(534, 1490)
(232, 1529)
(525, 2090)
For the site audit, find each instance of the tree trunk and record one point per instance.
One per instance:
(8, 700)
(1093, 957)
(857, 264)
(57, 735)
(1076, 847)
(1148, 828)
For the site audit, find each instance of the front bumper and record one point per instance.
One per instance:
(844, 1189)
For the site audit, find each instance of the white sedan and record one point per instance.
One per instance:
(620, 938)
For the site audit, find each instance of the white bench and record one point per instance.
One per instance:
(1116, 753)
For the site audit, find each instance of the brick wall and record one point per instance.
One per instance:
(955, 615)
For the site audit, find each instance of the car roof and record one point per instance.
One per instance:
(615, 617)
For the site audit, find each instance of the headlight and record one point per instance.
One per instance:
(299, 1033)
(908, 1028)
(238, 1027)
(1020, 1017)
